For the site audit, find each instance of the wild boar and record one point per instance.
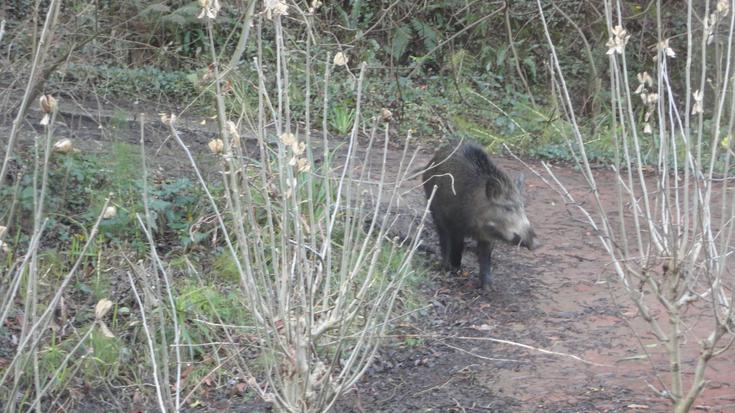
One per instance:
(475, 199)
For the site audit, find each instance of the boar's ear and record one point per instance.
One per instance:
(521, 182)
(492, 188)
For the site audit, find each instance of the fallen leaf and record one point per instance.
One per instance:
(240, 388)
(103, 306)
(187, 370)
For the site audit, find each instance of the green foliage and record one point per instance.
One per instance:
(97, 357)
(354, 16)
(475, 48)
(225, 267)
(211, 304)
(462, 63)
(174, 205)
(186, 28)
(72, 181)
(414, 342)
(175, 26)
(433, 101)
(428, 35)
(145, 82)
(201, 309)
(78, 186)
(105, 355)
(341, 118)
(406, 35)
(402, 36)
(124, 169)
(182, 16)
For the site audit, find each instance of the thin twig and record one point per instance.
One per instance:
(151, 348)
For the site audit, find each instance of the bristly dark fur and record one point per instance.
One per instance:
(473, 198)
(481, 160)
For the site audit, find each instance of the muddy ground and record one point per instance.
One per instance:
(561, 298)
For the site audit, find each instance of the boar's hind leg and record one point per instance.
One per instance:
(484, 256)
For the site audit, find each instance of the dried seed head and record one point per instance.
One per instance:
(110, 212)
(645, 79)
(303, 165)
(315, 4)
(216, 146)
(63, 146)
(167, 119)
(103, 306)
(723, 6)
(234, 133)
(340, 59)
(664, 47)
(617, 42)
(3, 245)
(698, 106)
(210, 8)
(106, 331)
(48, 103)
(48, 106)
(386, 115)
(275, 8)
(288, 139)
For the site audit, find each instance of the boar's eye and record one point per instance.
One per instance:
(508, 208)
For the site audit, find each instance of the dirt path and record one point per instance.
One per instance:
(560, 298)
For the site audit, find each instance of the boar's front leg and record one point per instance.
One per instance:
(484, 256)
(444, 242)
(456, 246)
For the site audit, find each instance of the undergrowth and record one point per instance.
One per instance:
(208, 301)
(80, 182)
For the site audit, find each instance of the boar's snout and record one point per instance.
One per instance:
(528, 240)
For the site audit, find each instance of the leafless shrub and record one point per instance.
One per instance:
(673, 239)
(311, 241)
